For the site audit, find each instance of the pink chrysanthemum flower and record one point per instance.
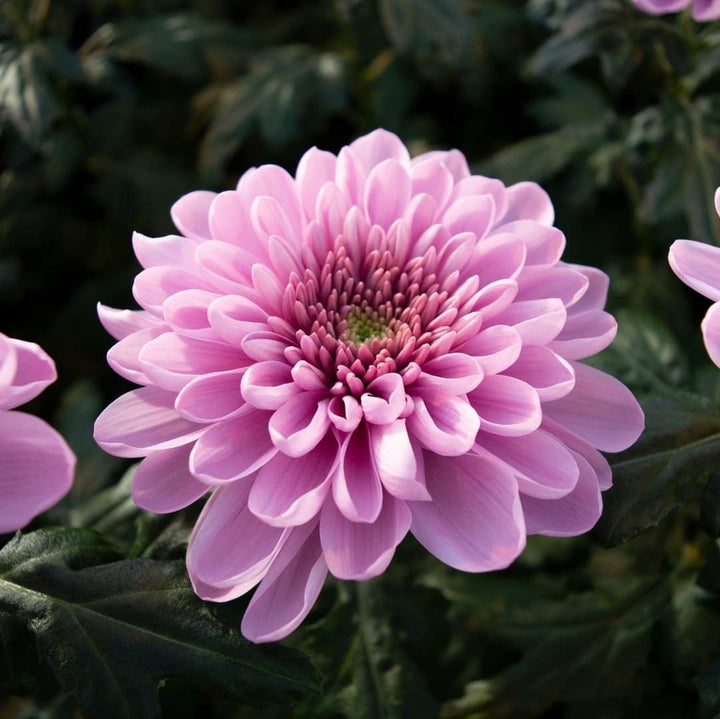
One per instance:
(36, 465)
(698, 266)
(375, 346)
(702, 10)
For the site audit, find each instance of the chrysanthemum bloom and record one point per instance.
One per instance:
(375, 346)
(702, 10)
(698, 266)
(36, 464)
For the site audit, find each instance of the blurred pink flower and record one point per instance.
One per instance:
(375, 346)
(36, 465)
(698, 266)
(702, 10)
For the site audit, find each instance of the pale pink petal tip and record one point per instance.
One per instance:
(377, 345)
(37, 464)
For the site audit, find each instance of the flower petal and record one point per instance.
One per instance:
(549, 374)
(506, 406)
(268, 385)
(289, 591)
(299, 425)
(600, 410)
(211, 397)
(711, 333)
(162, 482)
(356, 487)
(143, 421)
(289, 491)
(697, 265)
(233, 449)
(398, 464)
(230, 549)
(37, 468)
(358, 550)
(475, 521)
(34, 371)
(444, 424)
(191, 214)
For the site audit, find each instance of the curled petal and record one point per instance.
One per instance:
(444, 424)
(34, 370)
(300, 424)
(506, 406)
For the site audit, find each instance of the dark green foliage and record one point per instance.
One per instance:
(111, 629)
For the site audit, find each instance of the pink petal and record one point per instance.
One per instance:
(475, 521)
(506, 406)
(345, 413)
(143, 421)
(704, 10)
(316, 167)
(585, 334)
(230, 550)
(224, 267)
(536, 321)
(172, 360)
(600, 410)
(211, 397)
(494, 349)
(300, 424)
(398, 464)
(551, 376)
(234, 317)
(8, 363)
(121, 323)
(162, 482)
(233, 449)
(528, 201)
(454, 160)
(384, 400)
(595, 296)
(574, 514)
(454, 373)
(37, 468)
(230, 222)
(356, 487)
(191, 214)
(711, 333)
(542, 465)
(432, 178)
(274, 182)
(264, 345)
(470, 214)
(697, 265)
(379, 145)
(34, 371)
(387, 193)
(289, 491)
(153, 286)
(498, 257)
(168, 250)
(544, 245)
(444, 424)
(268, 385)
(187, 312)
(586, 451)
(124, 356)
(565, 283)
(289, 591)
(358, 550)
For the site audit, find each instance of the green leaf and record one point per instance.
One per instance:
(386, 684)
(175, 43)
(585, 648)
(112, 629)
(284, 88)
(27, 98)
(666, 468)
(440, 27)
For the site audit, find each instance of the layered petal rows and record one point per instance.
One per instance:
(36, 464)
(375, 346)
(698, 266)
(702, 10)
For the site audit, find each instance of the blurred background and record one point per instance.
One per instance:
(111, 109)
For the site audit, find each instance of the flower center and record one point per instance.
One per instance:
(365, 325)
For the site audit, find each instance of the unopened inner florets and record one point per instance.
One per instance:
(367, 312)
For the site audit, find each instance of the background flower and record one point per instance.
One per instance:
(36, 464)
(698, 265)
(702, 10)
(375, 346)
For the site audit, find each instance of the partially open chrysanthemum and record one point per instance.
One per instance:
(702, 10)
(375, 346)
(36, 464)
